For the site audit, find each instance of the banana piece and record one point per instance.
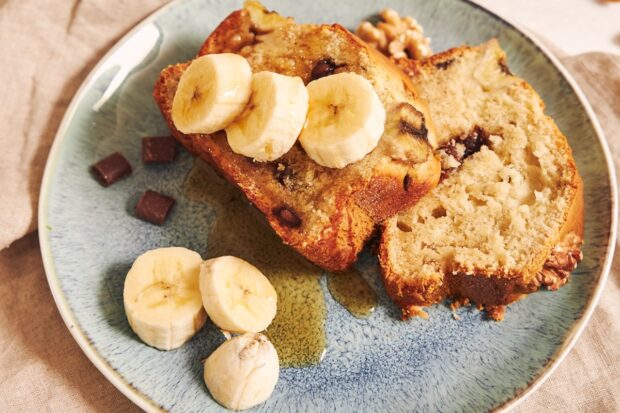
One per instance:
(212, 92)
(273, 119)
(162, 297)
(406, 136)
(236, 295)
(242, 372)
(345, 120)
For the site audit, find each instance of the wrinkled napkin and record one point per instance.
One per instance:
(46, 51)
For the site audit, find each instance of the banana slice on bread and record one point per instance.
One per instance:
(162, 298)
(345, 120)
(212, 92)
(273, 118)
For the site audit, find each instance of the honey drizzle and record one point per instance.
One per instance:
(298, 330)
(352, 291)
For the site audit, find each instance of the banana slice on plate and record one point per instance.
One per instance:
(162, 297)
(242, 372)
(345, 120)
(272, 120)
(212, 92)
(237, 296)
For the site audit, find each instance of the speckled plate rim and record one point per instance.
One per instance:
(149, 405)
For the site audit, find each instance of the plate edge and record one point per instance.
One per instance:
(579, 326)
(64, 309)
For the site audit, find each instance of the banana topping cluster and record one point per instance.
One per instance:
(338, 118)
(396, 36)
(170, 292)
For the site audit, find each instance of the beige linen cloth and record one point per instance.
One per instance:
(46, 50)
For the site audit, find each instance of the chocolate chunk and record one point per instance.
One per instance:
(445, 64)
(474, 141)
(158, 149)
(287, 216)
(322, 68)
(111, 169)
(154, 207)
(325, 67)
(406, 182)
(451, 150)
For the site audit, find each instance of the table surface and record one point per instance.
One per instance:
(572, 26)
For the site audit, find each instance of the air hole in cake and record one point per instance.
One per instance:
(403, 226)
(287, 216)
(439, 212)
(477, 202)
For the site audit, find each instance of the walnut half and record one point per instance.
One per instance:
(563, 259)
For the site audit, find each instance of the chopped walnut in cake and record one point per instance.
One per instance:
(396, 36)
(563, 259)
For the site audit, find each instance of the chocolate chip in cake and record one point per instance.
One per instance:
(406, 182)
(287, 216)
(158, 149)
(445, 64)
(154, 207)
(111, 168)
(324, 67)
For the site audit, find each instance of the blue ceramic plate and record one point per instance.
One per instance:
(89, 238)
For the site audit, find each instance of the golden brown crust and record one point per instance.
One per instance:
(358, 201)
(491, 291)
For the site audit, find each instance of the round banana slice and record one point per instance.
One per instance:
(162, 297)
(242, 372)
(273, 119)
(345, 120)
(212, 92)
(236, 295)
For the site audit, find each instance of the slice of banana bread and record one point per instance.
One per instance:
(507, 216)
(325, 214)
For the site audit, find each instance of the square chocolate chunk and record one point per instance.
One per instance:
(154, 207)
(111, 169)
(158, 149)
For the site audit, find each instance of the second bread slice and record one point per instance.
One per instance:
(507, 218)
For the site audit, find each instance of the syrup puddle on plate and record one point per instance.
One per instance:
(298, 330)
(353, 292)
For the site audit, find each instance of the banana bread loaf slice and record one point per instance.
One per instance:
(325, 214)
(507, 216)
